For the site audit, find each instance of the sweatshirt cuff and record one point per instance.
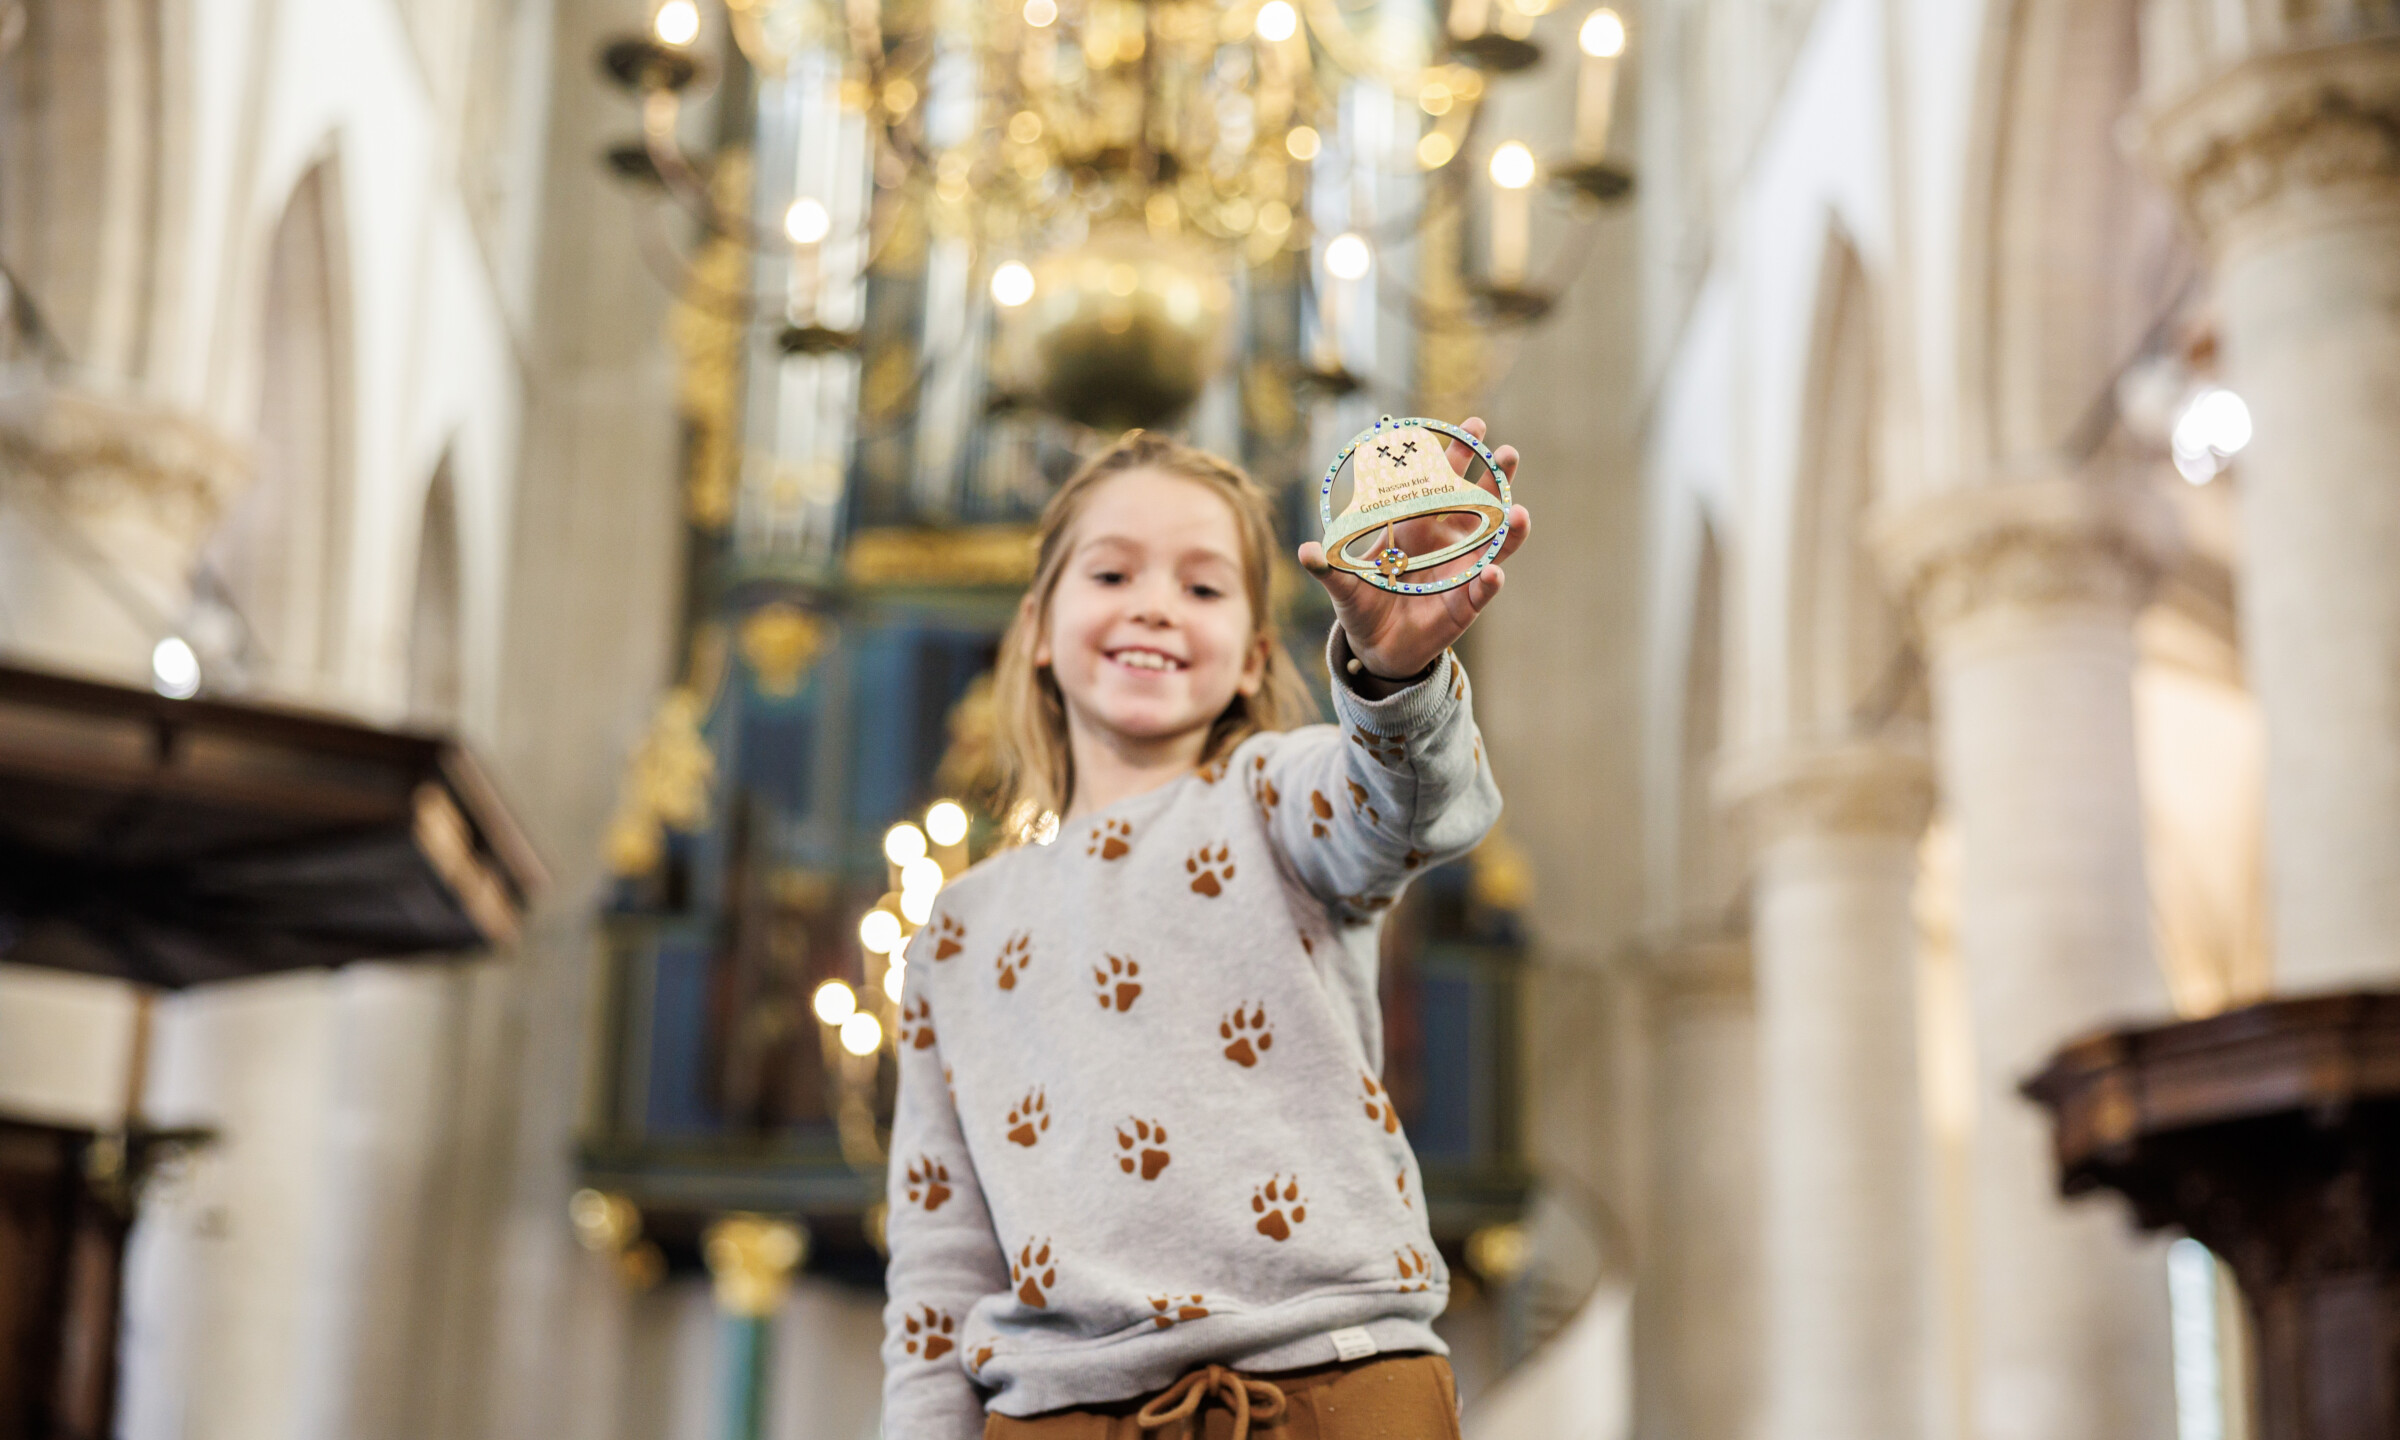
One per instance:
(1419, 708)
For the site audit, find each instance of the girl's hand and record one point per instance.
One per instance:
(1395, 636)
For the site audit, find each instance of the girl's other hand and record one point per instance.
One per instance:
(1395, 636)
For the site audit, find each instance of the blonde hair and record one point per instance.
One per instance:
(1036, 768)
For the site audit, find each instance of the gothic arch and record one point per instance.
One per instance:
(2071, 255)
(281, 558)
(434, 666)
(1851, 666)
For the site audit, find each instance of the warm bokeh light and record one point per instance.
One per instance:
(916, 906)
(946, 822)
(895, 977)
(1303, 143)
(921, 874)
(861, 1033)
(806, 221)
(902, 843)
(879, 931)
(1512, 166)
(677, 22)
(1040, 13)
(1012, 284)
(833, 1002)
(1277, 21)
(1435, 150)
(2212, 428)
(1602, 35)
(1347, 256)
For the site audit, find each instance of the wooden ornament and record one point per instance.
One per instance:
(1401, 472)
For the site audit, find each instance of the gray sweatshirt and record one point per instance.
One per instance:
(1140, 1124)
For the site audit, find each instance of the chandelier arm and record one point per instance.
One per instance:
(689, 188)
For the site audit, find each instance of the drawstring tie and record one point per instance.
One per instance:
(1231, 1388)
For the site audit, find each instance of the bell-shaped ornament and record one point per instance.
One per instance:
(1401, 481)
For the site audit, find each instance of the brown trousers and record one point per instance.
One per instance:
(1392, 1397)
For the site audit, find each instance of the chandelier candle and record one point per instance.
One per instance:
(1602, 40)
(1401, 477)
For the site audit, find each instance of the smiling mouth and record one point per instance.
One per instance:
(1151, 660)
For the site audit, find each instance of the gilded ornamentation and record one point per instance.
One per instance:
(666, 785)
(967, 555)
(705, 327)
(780, 641)
(100, 453)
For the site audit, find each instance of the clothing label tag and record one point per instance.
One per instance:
(1353, 1344)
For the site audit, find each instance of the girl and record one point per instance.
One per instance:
(1144, 1177)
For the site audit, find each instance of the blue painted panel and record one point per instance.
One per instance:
(677, 1102)
(1444, 1127)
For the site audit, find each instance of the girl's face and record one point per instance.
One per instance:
(1150, 633)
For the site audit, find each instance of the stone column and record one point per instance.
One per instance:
(1696, 1326)
(2026, 594)
(2286, 151)
(1834, 831)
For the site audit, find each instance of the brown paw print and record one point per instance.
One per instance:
(1029, 1117)
(1034, 1274)
(1118, 989)
(1416, 1271)
(981, 1358)
(1365, 907)
(1478, 752)
(950, 1084)
(1014, 957)
(1413, 859)
(1458, 685)
(1379, 1106)
(1387, 751)
(1320, 810)
(1307, 945)
(1173, 1309)
(949, 937)
(1401, 1184)
(1279, 1207)
(1358, 794)
(928, 1183)
(1212, 772)
(932, 1332)
(1247, 1035)
(916, 1023)
(1210, 869)
(1111, 840)
(1149, 1138)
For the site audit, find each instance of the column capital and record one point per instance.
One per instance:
(1854, 787)
(2038, 544)
(2295, 135)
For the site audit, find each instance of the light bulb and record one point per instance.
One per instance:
(879, 931)
(861, 1033)
(1512, 166)
(2213, 427)
(806, 222)
(946, 822)
(676, 23)
(1012, 284)
(174, 669)
(1602, 35)
(1277, 21)
(895, 978)
(1347, 256)
(833, 1002)
(902, 843)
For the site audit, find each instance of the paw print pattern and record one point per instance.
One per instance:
(1379, 1107)
(1263, 789)
(1034, 1274)
(1144, 1147)
(1212, 772)
(1385, 750)
(1111, 840)
(1210, 869)
(1014, 957)
(1416, 1270)
(1118, 989)
(1173, 1309)
(949, 937)
(916, 1024)
(932, 1332)
(1401, 1184)
(1279, 1207)
(1307, 945)
(1359, 805)
(1413, 859)
(981, 1358)
(928, 1183)
(1029, 1117)
(1247, 1035)
(1363, 908)
(1320, 810)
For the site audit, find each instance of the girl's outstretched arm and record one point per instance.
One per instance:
(944, 1254)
